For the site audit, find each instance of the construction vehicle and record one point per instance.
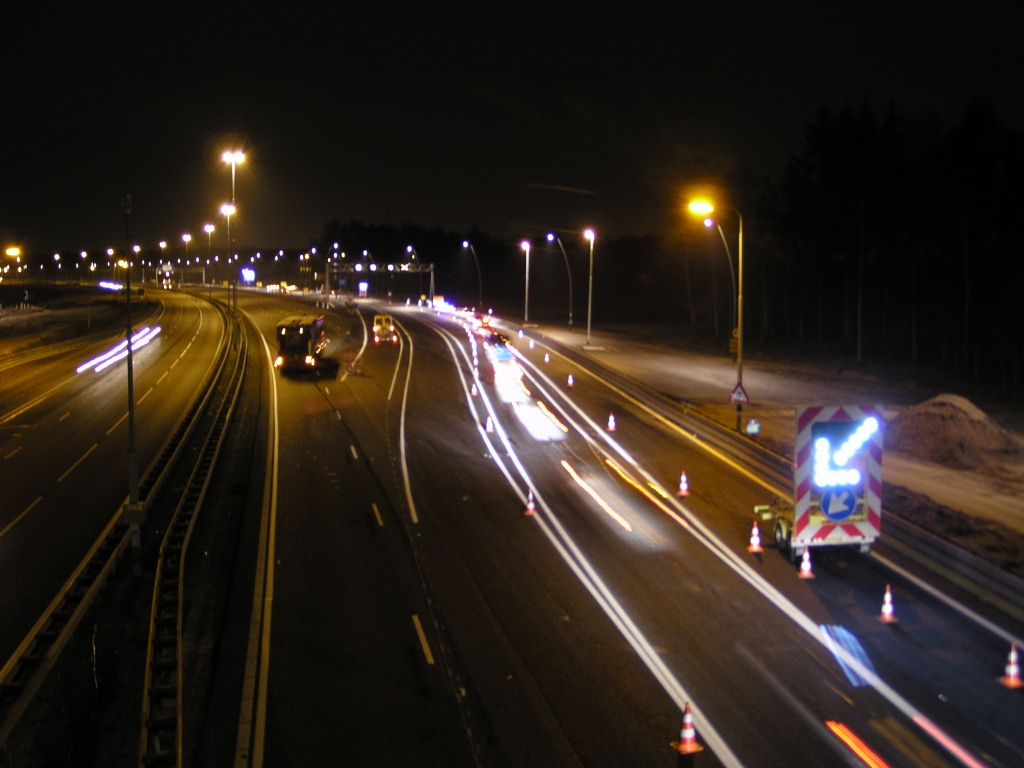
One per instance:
(301, 340)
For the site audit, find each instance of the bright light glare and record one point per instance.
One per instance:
(858, 747)
(600, 502)
(226, 210)
(701, 207)
(109, 286)
(233, 156)
(709, 223)
(536, 422)
(208, 228)
(551, 237)
(525, 245)
(588, 234)
(120, 351)
(13, 251)
(186, 238)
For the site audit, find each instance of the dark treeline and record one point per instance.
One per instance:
(888, 237)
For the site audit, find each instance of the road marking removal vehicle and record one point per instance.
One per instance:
(837, 482)
(301, 340)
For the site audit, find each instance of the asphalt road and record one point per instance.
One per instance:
(573, 636)
(63, 446)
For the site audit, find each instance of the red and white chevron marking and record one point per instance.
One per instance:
(816, 529)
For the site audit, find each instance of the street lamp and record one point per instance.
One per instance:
(525, 245)
(588, 234)
(552, 237)
(186, 239)
(705, 208)
(233, 157)
(479, 277)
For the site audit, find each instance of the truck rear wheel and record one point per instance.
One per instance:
(781, 537)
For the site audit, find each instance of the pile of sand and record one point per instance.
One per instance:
(951, 431)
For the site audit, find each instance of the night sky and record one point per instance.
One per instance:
(518, 121)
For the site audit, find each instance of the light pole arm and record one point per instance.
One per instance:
(479, 278)
(732, 270)
(567, 269)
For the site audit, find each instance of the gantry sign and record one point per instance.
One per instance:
(372, 269)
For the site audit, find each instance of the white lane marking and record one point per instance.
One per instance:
(739, 566)
(354, 454)
(992, 627)
(253, 716)
(163, 377)
(64, 416)
(144, 396)
(117, 423)
(362, 349)
(423, 640)
(69, 470)
(692, 437)
(10, 415)
(338, 414)
(376, 513)
(398, 365)
(23, 513)
(401, 430)
(585, 573)
(13, 452)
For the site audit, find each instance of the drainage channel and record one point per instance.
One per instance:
(24, 673)
(160, 742)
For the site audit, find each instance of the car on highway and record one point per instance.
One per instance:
(384, 329)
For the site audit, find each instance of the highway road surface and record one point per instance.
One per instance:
(417, 613)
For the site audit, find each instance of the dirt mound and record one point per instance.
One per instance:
(951, 431)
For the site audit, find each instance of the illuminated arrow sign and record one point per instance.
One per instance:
(830, 468)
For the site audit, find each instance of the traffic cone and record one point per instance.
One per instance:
(611, 422)
(473, 391)
(888, 615)
(547, 358)
(531, 343)
(490, 425)
(531, 508)
(569, 381)
(1012, 677)
(687, 744)
(684, 487)
(755, 539)
(805, 565)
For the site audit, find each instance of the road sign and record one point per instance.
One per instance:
(734, 345)
(739, 395)
(838, 475)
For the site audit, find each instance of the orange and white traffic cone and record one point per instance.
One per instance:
(1012, 677)
(755, 539)
(490, 425)
(547, 358)
(473, 391)
(531, 343)
(569, 382)
(611, 422)
(888, 615)
(531, 508)
(805, 565)
(687, 744)
(684, 487)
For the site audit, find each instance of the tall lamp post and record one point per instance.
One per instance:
(728, 257)
(479, 277)
(233, 157)
(186, 239)
(133, 510)
(589, 235)
(227, 210)
(739, 396)
(552, 237)
(525, 245)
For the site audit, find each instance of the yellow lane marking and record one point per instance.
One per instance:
(64, 416)
(423, 639)
(15, 520)
(144, 396)
(94, 447)
(354, 454)
(163, 377)
(376, 513)
(118, 422)
(174, 364)
(12, 453)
